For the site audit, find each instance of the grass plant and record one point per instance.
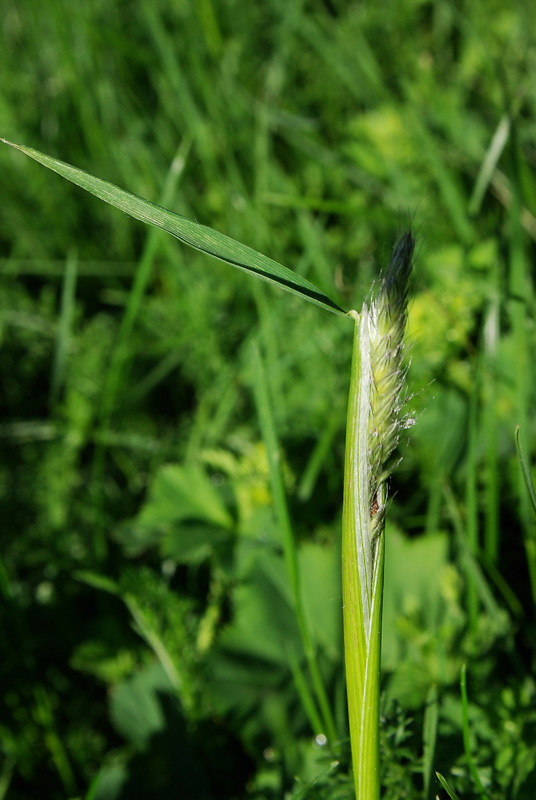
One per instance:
(375, 420)
(150, 634)
(374, 423)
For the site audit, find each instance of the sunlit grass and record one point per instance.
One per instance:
(311, 133)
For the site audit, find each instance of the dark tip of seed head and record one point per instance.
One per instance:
(399, 269)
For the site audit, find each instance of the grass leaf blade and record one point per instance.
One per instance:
(191, 233)
(526, 470)
(431, 718)
(447, 787)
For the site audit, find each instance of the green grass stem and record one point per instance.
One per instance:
(430, 724)
(520, 288)
(470, 561)
(471, 489)
(466, 735)
(269, 434)
(525, 468)
(529, 535)
(490, 426)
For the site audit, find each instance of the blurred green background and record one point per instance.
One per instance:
(149, 645)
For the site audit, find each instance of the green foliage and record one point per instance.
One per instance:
(150, 645)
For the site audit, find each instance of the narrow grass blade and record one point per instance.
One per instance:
(529, 538)
(447, 787)
(91, 793)
(302, 687)
(466, 742)
(491, 340)
(520, 288)
(526, 471)
(317, 459)
(472, 566)
(431, 716)
(471, 496)
(493, 154)
(192, 233)
(8, 768)
(96, 581)
(264, 410)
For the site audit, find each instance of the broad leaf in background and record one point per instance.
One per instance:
(192, 233)
(166, 750)
(264, 626)
(413, 613)
(184, 515)
(135, 710)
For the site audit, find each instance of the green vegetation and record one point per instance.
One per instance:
(172, 435)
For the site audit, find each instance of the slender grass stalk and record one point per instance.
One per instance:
(289, 543)
(375, 420)
(431, 718)
(529, 536)
(520, 288)
(466, 740)
(471, 496)
(525, 467)
(6, 773)
(470, 561)
(491, 426)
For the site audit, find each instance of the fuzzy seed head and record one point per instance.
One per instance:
(387, 323)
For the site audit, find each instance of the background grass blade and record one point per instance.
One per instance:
(447, 787)
(431, 716)
(192, 233)
(269, 434)
(526, 470)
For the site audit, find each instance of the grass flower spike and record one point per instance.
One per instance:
(387, 323)
(375, 420)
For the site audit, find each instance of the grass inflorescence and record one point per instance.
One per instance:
(387, 324)
(375, 420)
